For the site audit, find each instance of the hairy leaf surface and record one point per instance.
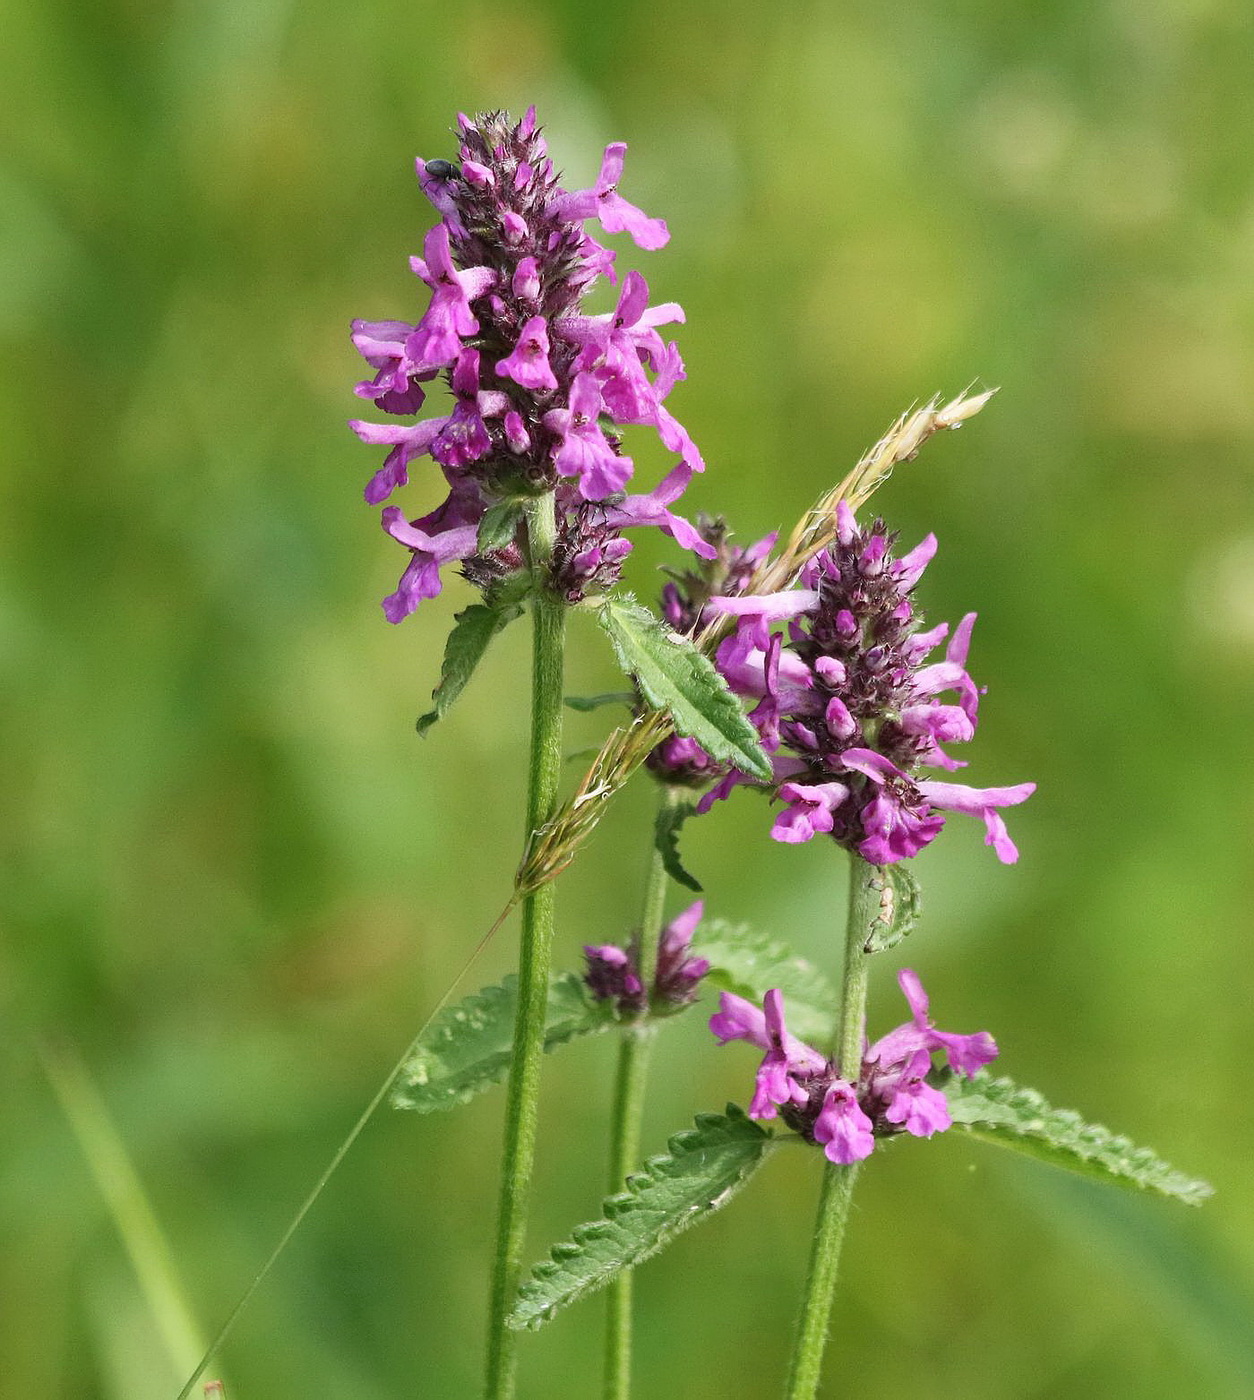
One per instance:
(467, 1048)
(499, 524)
(674, 676)
(900, 906)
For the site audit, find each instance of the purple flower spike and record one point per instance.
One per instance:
(816, 1098)
(858, 711)
(541, 388)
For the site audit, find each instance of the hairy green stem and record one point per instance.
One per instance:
(629, 1086)
(838, 1181)
(534, 960)
(633, 1067)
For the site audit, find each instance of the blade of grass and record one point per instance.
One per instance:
(128, 1204)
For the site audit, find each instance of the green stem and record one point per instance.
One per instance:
(534, 960)
(629, 1086)
(633, 1067)
(838, 1181)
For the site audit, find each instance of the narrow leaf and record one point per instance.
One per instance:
(499, 525)
(750, 963)
(900, 906)
(472, 630)
(585, 703)
(702, 1170)
(674, 676)
(467, 1048)
(666, 839)
(999, 1111)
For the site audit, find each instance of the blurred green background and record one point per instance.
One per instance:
(235, 879)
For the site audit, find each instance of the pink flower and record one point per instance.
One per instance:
(603, 202)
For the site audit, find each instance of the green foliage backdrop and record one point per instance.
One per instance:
(235, 880)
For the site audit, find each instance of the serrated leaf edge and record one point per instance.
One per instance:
(622, 605)
(622, 1203)
(1066, 1132)
(670, 821)
(448, 688)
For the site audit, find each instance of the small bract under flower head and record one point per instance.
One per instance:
(722, 569)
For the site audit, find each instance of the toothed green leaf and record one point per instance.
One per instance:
(472, 630)
(900, 905)
(666, 838)
(467, 1048)
(999, 1111)
(702, 1170)
(674, 676)
(750, 963)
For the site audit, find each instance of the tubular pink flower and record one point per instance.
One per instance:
(421, 578)
(584, 452)
(406, 442)
(528, 365)
(652, 509)
(914, 1104)
(842, 1127)
(603, 202)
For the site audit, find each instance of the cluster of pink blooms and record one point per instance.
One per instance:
(850, 707)
(845, 698)
(539, 387)
(889, 1093)
(613, 972)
